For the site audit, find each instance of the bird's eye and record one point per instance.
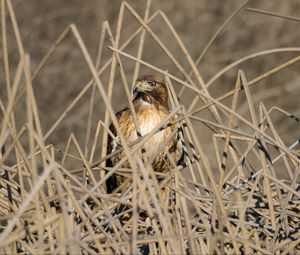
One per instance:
(152, 83)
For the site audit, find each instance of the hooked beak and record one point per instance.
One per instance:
(138, 87)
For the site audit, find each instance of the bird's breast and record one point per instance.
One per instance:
(148, 119)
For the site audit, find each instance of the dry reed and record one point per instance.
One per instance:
(240, 207)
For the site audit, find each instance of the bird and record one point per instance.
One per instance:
(150, 101)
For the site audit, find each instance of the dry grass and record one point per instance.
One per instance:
(233, 200)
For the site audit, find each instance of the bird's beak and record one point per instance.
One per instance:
(138, 87)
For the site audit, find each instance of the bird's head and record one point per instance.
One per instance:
(153, 86)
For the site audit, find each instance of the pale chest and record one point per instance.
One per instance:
(148, 119)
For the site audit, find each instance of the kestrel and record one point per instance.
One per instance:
(150, 103)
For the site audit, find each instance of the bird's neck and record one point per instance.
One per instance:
(143, 99)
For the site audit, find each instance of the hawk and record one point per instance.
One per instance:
(150, 103)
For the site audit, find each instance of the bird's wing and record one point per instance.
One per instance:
(111, 182)
(180, 147)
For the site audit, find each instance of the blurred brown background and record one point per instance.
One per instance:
(42, 21)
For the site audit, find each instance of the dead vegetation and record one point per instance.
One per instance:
(242, 197)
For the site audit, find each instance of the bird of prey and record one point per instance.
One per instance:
(150, 103)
